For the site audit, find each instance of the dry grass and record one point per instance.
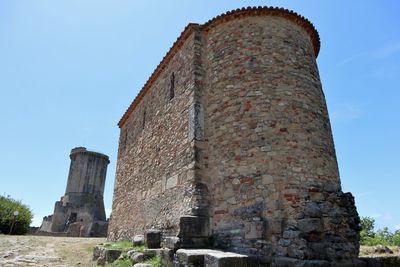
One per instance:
(369, 251)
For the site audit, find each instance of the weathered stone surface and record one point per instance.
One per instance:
(137, 257)
(284, 262)
(228, 259)
(171, 242)
(315, 263)
(112, 254)
(213, 258)
(310, 225)
(142, 265)
(153, 239)
(138, 240)
(194, 226)
(101, 261)
(98, 251)
(254, 230)
(312, 210)
(191, 257)
(80, 212)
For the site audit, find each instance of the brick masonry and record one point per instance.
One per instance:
(244, 144)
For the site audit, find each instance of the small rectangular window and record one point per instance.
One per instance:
(172, 87)
(144, 119)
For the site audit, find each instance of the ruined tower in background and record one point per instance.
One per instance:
(230, 139)
(80, 212)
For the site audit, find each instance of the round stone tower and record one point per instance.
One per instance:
(83, 203)
(269, 154)
(87, 174)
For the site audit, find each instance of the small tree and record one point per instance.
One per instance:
(7, 208)
(396, 238)
(367, 228)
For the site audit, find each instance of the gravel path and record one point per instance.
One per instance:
(46, 251)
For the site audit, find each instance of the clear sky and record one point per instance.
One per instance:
(70, 68)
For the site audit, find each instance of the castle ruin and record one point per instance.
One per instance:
(228, 145)
(80, 212)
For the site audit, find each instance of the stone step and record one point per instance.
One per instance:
(212, 258)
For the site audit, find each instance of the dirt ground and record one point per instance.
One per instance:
(46, 251)
(377, 251)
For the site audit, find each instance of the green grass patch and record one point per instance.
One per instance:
(123, 245)
(121, 263)
(155, 261)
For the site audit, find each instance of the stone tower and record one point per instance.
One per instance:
(81, 210)
(230, 138)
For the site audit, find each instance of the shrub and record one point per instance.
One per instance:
(7, 208)
(368, 237)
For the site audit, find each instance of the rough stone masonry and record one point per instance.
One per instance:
(80, 212)
(228, 145)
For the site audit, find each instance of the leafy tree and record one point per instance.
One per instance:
(7, 208)
(396, 238)
(368, 237)
(367, 228)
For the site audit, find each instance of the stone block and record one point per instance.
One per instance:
(171, 182)
(138, 240)
(98, 251)
(213, 258)
(312, 210)
(194, 242)
(171, 242)
(291, 234)
(191, 257)
(228, 259)
(137, 257)
(285, 262)
(153, 239)
(111, 255)
(193, 226)
(309, 225)
(254, 230)
(315, 263)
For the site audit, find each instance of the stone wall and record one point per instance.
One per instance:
(244, 151)
(155, 168)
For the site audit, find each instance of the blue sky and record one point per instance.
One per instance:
(69, 69)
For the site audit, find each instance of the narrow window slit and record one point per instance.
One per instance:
(172, 87)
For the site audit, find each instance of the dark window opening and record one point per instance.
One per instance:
(172, 87)
(124, 137)
(144, 119)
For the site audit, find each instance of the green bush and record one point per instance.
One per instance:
(368, 237)
(7, 208)
(396, 238)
